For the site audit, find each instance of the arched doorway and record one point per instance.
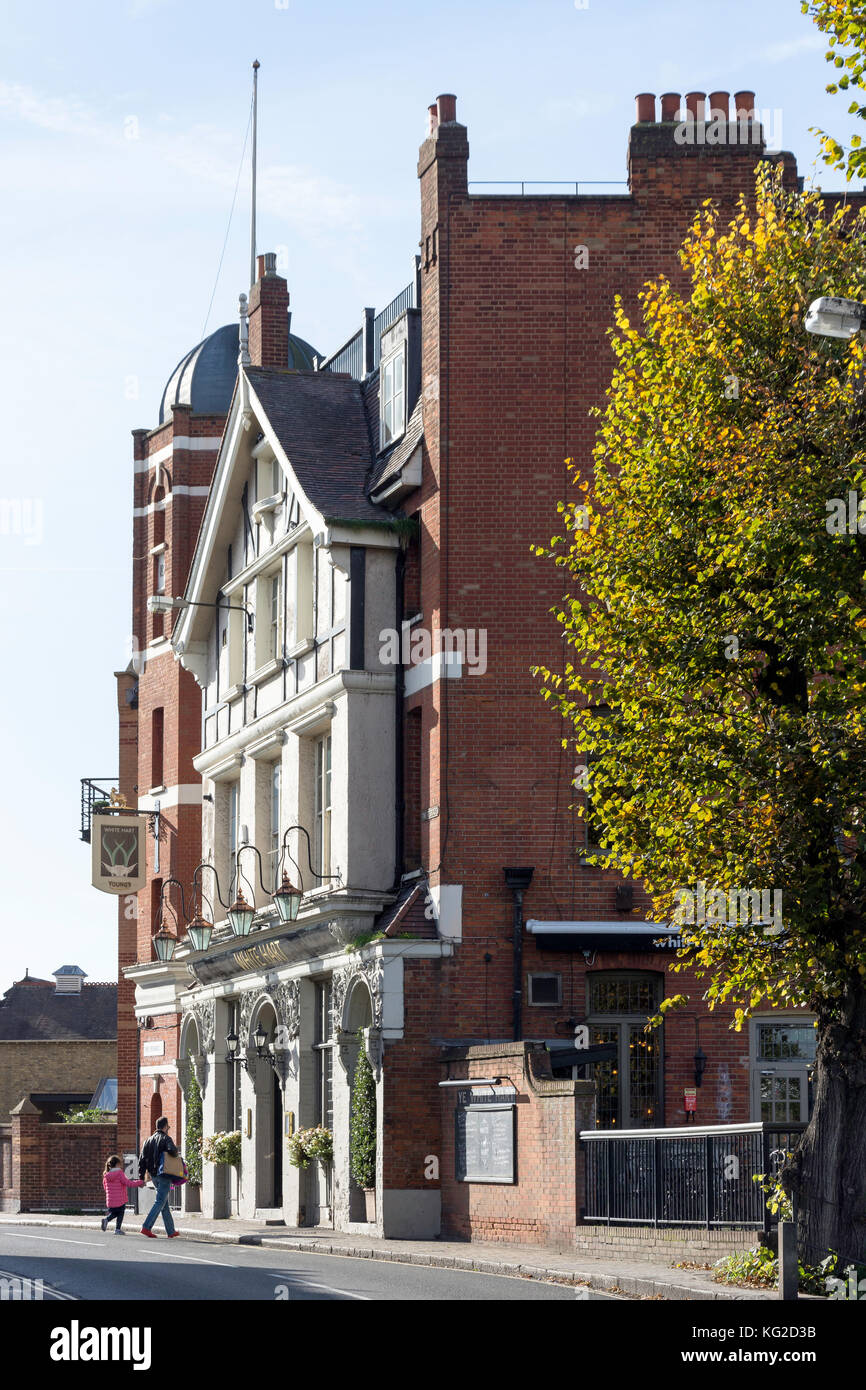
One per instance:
(357, 1015)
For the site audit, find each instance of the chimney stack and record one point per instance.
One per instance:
(269, 315)
(695, 105)
(645, 103)
(744, 105)
(447, 108)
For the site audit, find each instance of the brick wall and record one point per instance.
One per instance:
(70, 1065)
(541, 1206)
(57, 1165)
(514, 355)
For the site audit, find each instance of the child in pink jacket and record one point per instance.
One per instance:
(115, 1182)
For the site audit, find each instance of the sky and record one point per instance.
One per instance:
(122, 127)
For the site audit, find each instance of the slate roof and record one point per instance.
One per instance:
(407, 915)
(320, 421)
(32, 1010)
(391, 463)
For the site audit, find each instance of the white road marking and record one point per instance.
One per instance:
(16, 1235)
(48, 1290)
(305, 1284)
(191, 1259)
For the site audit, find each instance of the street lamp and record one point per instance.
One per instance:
(287, 900)
(199, 932)
(261, 1038)
(164, 943)
(241, 915)
(233, 1042)
(832, 317)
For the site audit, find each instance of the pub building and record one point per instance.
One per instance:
(347, 853)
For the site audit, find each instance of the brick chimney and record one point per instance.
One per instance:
(269, 315)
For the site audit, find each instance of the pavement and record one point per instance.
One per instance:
(642, 1279)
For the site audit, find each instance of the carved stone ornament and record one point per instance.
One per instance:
(372, 972)
(203, 1012)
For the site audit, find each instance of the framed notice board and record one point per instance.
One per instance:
(484, 1141)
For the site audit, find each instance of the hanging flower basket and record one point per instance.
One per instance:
(307, 1145)
(224, 1147)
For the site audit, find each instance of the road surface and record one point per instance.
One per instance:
(80, 1264)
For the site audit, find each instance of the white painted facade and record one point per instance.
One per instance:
(292, 736)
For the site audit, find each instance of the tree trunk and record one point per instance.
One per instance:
(828, 1171)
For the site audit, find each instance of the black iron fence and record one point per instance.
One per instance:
(696, 1175)
(94, 798)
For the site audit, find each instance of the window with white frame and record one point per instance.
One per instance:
(782, 1064)
(275, 820)
(392, 403)
(269, 631)
(276, 478)
(274, 643)
(323, 804)
(159, 573)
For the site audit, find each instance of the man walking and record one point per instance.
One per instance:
(151, 1155)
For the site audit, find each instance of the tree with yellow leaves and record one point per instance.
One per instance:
(716, 617)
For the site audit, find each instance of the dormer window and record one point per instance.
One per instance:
(392, 398)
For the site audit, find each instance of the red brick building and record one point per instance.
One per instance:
(396, 488)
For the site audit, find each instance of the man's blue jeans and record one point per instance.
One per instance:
(163, 1189)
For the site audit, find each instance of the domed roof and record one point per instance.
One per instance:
(204, 378)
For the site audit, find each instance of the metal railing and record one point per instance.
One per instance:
(523, 184)
(406, 299)
(694, 1175)
(349, 358)
(92, 794)
(360, 353)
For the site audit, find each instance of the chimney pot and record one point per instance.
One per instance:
(720, 106)
(671, 102)
(447, 108)
(695, 105)
(433, 118)
(744, 103)
(270, 263)
(260, 267)
(645, 103)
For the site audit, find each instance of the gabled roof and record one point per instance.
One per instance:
(317, 427)
(320, 422)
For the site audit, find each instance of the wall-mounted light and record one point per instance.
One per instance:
(164, 603)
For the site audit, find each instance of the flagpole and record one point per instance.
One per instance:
(253, 201)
